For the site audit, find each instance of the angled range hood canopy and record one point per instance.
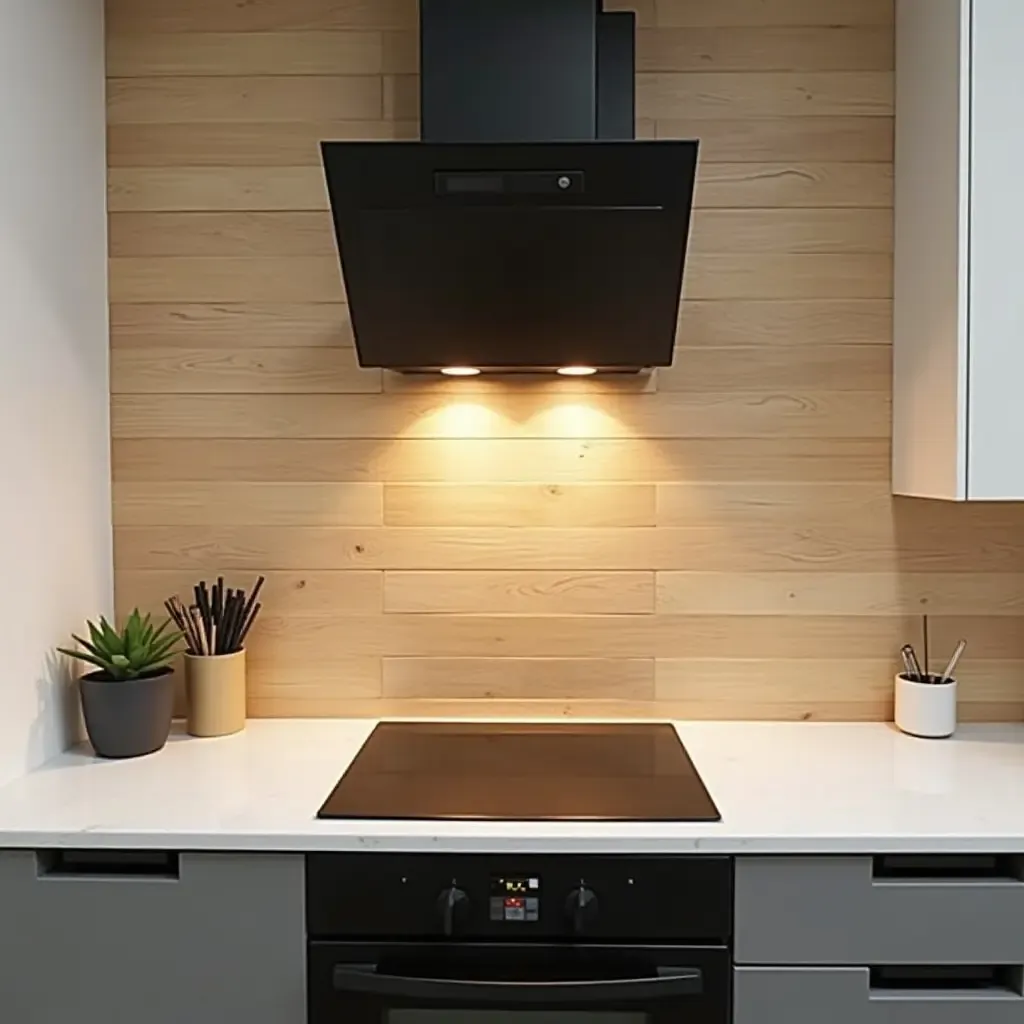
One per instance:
(527, 231)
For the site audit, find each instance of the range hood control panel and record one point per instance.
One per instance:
(504, 183)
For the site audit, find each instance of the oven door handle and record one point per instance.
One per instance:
(668, 983)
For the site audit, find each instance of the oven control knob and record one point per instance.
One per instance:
(581, 908)
(452, 908)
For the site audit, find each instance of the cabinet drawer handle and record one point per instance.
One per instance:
(107, 864)
(922, 980)
(951, 867)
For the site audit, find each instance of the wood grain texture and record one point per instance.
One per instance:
(827, 48)
(848, 546)
(744, 13)
(314, 594)
(519, 678)
(715, 540)
(710, 94)
(835, 414)
(226, 325)
(241, 100)
(795, 139)
(520, 505)
(476, 461)
(252, 504)
(163, 371)
(532, 593)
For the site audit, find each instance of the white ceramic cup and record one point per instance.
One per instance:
(926, 709)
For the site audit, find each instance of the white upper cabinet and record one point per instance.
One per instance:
(958, 387)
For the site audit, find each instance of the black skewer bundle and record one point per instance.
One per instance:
(220, 619)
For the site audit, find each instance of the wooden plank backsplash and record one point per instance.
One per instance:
(718, 541)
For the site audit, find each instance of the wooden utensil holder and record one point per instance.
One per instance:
(215, 688)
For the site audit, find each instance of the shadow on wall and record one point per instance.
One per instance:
(57, 702)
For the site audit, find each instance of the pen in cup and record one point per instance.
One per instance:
(950, 668)
(911, 663)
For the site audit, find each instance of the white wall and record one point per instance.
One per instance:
(55, 533)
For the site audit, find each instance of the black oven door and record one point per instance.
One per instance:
(488, 983)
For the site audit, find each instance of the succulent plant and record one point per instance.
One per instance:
(140, 649)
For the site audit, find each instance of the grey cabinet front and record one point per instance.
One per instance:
(843, 995)
(837, 910)
(218, 941)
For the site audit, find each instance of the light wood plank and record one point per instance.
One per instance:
(277, 144)
(196, 279)
(476, 461)
(845, 594)
(695, 13)
(719, 186)
(160, 371)
(239, 100)
(794, 185)
(153, 16)
(791, 231)
(245, 325)
(811, 322)
(524, 593)
(834, 414)
(788, 276)
(519, 505)
(254, 53)
(286, 594)
(742, 504)
(785, 139)
(251, 504)
(275, 234)
(615, 636)
(766, 48)
(216, 188)
(719, 686)
(781, 688)
(224, 234)
(848, 546)
(706, 95)
(519, 678)
(277, 688)
(838, 367)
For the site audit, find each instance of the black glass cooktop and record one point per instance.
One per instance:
(522, 772)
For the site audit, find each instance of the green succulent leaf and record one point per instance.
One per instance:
(93, 650)
(139, 648)
(88, 658)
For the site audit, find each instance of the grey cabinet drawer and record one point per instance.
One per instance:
(110, 938)
(846, 910)
(843, 995)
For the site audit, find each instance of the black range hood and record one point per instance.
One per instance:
(528, 231)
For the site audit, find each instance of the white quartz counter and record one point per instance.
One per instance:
(781, 788)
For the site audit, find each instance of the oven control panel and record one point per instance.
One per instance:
(515, 898)
(528, 898)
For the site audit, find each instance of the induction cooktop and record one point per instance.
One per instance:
(522, 772)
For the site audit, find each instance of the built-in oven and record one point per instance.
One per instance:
(480, 939)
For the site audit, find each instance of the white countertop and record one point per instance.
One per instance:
(781, 788)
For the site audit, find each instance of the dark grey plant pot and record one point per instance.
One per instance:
(128, 718)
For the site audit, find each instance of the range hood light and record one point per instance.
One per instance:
(577, 371)
(460, 371)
